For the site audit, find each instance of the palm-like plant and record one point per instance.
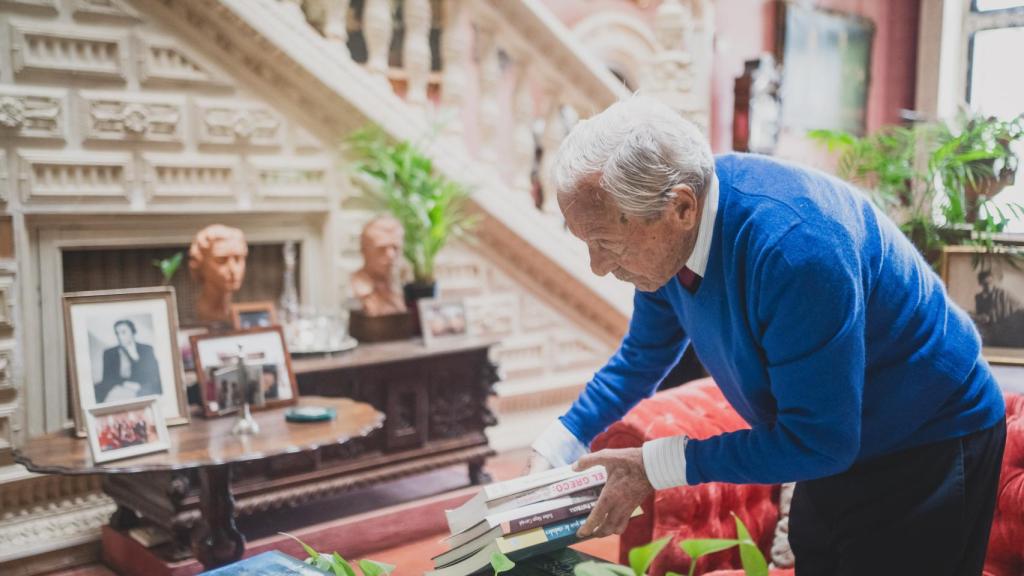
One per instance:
(403, 181)
(937, 179)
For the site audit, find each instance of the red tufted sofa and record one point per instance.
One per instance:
(699, 411)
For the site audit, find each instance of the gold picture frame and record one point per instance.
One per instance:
(985, 284)
(95, 326)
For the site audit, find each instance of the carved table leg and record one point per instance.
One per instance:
(217, 540)
(477, 475)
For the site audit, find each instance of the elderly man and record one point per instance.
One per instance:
(822, 326)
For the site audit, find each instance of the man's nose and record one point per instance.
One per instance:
(601, 262)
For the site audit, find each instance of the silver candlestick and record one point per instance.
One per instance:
(249, 389)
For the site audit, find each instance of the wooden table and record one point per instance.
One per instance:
(208, 447)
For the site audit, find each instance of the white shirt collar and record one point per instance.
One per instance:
(698, 261)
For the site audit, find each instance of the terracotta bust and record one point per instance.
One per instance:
(378, 283)
(217, 261)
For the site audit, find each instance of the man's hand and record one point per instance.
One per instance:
(626, 488)
(537, 463)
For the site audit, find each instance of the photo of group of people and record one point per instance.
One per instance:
(442, 319)
(130, 428)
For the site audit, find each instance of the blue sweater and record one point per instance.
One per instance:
(821, 324)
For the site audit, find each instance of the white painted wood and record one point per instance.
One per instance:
(455, 52)
(378, 23)
(416, 50)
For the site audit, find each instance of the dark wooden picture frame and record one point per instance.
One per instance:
(203, 369)
(240, 310)
(170, 353)
(962, 268)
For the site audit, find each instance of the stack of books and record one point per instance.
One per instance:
(519, 518)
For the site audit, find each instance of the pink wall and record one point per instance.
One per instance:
(744, 28)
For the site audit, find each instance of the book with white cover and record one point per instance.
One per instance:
(513, 521)
(518, 492)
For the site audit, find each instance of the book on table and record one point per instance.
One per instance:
(519, 518)
(519, 492)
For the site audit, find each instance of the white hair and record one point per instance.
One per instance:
(639, 149)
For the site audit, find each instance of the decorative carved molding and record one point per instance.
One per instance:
(68, 51)
(5, 193)
(377, 28)
(455, 48)
(521, 356)
(162, 60)
(231, 123)
(51, 523)
(7, 301)
(303, 141)
(493, 315)
(117, 116)
(489, 109)
(289, 178)
(109, 8)
(47, 4)
(172, 178)
(35, 113)
(6, 363)
(67, 177)
(336, 22)
(416, 50)
(6, 430)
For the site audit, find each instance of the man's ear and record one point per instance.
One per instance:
(684, 206)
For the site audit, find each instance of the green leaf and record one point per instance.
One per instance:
(309, 549)
(168, 266)
(697, 547)
(340, 566)
(640, 558)
(601, 569)
(751, 557)
(501, 563)
(374, 568)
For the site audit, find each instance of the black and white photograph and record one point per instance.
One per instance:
(122, 345)
(124, 429)
(990, 287)
(265, 354)
(442, 319)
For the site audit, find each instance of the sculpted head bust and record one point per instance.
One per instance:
(377, 284)
(217, 261)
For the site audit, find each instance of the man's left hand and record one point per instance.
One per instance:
(626, 488)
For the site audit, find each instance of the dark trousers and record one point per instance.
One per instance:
(927, 511)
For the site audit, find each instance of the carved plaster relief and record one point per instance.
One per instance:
(35, 113)
(162, 60)
(115, 116)
(521, 356)
(68, 52)
(6, 427)
(461, 274)
(493, 315)
(4, 181)
(63, 177)
(6, 360)
(230, 123)
(303, 141)
(7, 301)
(191, 178)
(51, 4)
(289, 178)
(113, 8)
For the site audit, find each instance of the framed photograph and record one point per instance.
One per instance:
(247, 315)
(119, 430)
(121, 345)
(442, 319)
(990, 287)
(267, 362)
(826, 63)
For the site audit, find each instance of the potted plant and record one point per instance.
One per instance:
(431, 208)
(936, 179)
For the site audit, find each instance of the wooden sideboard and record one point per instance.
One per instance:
(435, 406)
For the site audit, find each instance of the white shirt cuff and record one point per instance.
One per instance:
(559, 446)
(665, 462)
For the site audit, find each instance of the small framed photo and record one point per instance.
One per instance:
(268, 378)
(121, 345)
(990, 287)
(119, 430)
(443, 319)
(247, 315)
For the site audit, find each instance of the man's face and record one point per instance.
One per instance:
(224, 266)
(646, 252)
(125, 337)
(382, 252)
(987, 282)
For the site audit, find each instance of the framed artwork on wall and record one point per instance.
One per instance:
(990, 287)
(826, 67)
(122, 345)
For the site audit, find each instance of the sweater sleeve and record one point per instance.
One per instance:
(652, 346)
(808, 299)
